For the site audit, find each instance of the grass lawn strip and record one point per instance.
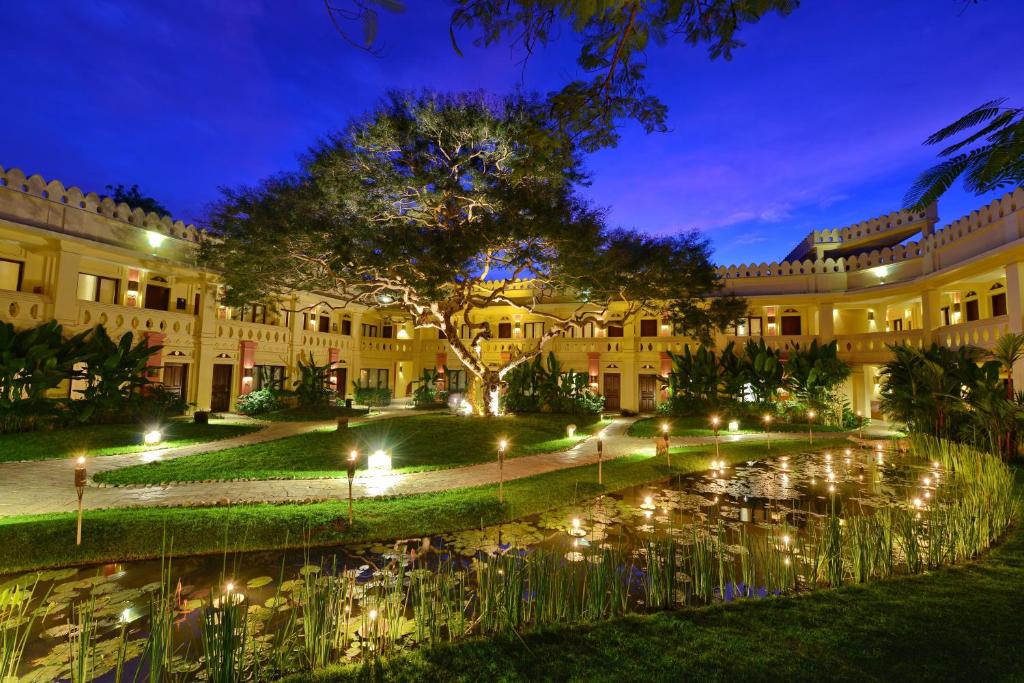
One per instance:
(37, 541)
(100, 440)
(650, 427)
(418, 443)
(957, 623)
(312, 414)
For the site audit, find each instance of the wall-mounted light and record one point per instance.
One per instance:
(155, 239)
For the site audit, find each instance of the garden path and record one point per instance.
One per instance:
(46, 486)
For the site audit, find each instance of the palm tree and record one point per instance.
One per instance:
(990, 158)
(1008, 350)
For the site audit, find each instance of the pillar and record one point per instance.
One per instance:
(1014, 312)
(867, 383)
(247, 354)
(65, 287)
(205, 347)
(155, 361)
(826, 324)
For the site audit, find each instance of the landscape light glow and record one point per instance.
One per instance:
(152, 437)
(379, 461)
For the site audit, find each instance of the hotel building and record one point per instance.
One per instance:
(83, 260)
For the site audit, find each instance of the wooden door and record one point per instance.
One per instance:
(176, 379)
(612, 391)
(157, 298)
(220, 398)
(648, 392)
(341, 381)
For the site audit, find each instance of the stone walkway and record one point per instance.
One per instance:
(46, 486)
(42, 486)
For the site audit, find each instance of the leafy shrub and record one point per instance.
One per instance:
(372, 397)
(313, 388)
(258, 402)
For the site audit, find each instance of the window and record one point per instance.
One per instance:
(464, 332)
(649, 328)
(455, 381)
(387, 331)
(615, 330)
(504, 330)
(325, 323)
(369, 330)
(346, 327)
(945, 315)
(749, 327)
(533, 330)
(971, 310)
(791, 324)
(897, 325)
(269, 376)
(98, 288)
(374, 378)
(999, 304)
(10, 274)
(254, 313)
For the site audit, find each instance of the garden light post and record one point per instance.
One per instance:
(810, 427)
(664, 436)
(768, 429)
(353, 458)
(80, 477)
(600, 453)
(860, 425)
(714, 425)
(502, 447)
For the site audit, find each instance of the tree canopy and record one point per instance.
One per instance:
(439, 206)
(614, 38)
(134, 198)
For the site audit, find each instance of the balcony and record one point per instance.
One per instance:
(177, 328)
(873, 347)
(983, 333)
(24, 309)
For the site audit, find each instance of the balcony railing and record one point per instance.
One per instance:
(24, 309)
(983, 333)
(178, 328)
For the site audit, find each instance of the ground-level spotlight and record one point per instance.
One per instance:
(152, 437)
(576, 530)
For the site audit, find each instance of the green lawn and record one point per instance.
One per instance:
(312, 414)
(38, 541)
(650, 427)
(962, 623)
(418, 443)
(95, 440)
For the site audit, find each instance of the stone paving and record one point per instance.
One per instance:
(46, 486)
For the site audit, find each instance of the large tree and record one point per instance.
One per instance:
(440, 206)
(614, 37)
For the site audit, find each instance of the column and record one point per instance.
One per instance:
(826, 324)
(930, 314)
(1014, 298)
(65, 287)
(247, 353)
(205, 345)
(867, 382)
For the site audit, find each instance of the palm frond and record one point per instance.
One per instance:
(933, 182)
(969, 120)
(1004, 119)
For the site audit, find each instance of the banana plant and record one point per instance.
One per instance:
(114, 372)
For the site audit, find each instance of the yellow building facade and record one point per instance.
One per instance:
(83, 260)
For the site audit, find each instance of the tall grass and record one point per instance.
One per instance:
(332, 616)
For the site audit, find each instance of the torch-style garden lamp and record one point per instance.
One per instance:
(80, 478)
(502, 447)
(860, 425)
(810, 427)
(664, 435)
(600, 454)
(353, 458)
(768, 429)
(714, 425)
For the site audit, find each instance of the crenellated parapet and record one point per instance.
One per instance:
(984, 229)
(72, 197)
(880, 231)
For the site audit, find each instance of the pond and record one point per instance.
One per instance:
(759, 529)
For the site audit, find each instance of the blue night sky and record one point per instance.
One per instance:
(817, 123)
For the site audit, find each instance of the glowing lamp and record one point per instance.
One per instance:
(379, 461)
(734, 425)
(576, 530)
(155, 239)
(152, 437)
(648, 503)
(570, 431)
